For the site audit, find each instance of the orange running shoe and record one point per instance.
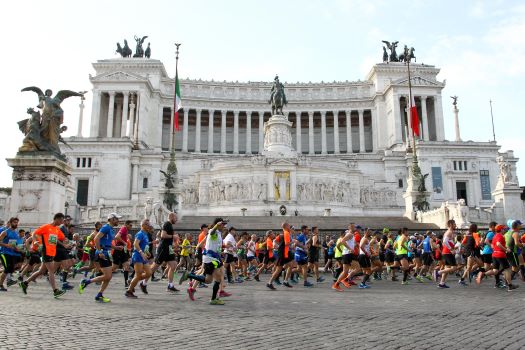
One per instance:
(336, 287)
(346, 284)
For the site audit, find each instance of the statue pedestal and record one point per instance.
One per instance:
(39, 188)
(278, 137)
(508, 197)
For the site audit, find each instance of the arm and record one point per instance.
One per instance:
(517, 242)
(97, 243)
(136, 245)
(2, 236)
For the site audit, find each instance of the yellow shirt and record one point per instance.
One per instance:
(185, 251)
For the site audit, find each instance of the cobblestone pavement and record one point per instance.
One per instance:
(386, 316)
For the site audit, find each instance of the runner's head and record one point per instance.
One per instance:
(58, 219)
(451, 224)
(473, 228)
(172, 217)
(516, 225)
(269, 234)
(304, 229)
(113, 219)
(98, 225)
(144, 224)
(128, 224)
(286, 226)
(13, 223)
(492, 225)
(204, 228)
(315, 230)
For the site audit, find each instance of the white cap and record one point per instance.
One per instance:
(114, 216)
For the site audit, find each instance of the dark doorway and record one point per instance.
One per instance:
(461, 190)
(82, 192)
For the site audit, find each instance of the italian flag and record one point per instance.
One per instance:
(177, 103)
(414, 118)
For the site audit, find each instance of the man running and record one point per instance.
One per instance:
(120, 250)
(313, 254)
(301, 256)
(11, 247)
(48, 235)
(499, 256)
(284, 258)
(448, 254)
(364, 258)
(139, 258)
(103, 241)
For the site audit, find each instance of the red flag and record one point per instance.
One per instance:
(177, 104)
(414, 118)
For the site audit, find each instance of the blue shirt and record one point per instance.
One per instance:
(109, 234)
(487, 249)
(12, 238)
(301, 238)
(427, 247)
(142, 237)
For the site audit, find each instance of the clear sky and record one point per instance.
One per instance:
(479, 46)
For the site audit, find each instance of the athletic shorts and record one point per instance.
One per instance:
(120, 257)
(164, 254)
(486, 258)
(410, 258)
(103, 262)
(230, 258)
(513, 259)
(364, 261)
(449, 259)
(347, 259)
(61, 255)
(281, 261)
(389, 256)
(313, 257)
(426, 258)
(34, 258)
(400, 257)
(210, 267)
(9, 262)
(136, 258)
(250, 258)
(267, 260)
(382, 257)
(501, 263)
(477, 253)
(375, 258)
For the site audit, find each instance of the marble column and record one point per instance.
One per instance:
(111, 114)
(248, 132)
(398, 124)
(80, 116)
(198, 131)
(118, 119)
(438, 116)
(336, 132)
(235, 132)
(361, 132)
(409, 121)
(223, 131)
(261, 131)
(349, 147)
(132, 117)
(298, 145)
(323, 132)
(95, 112)
(375, 129)
(185, 114)
(210, 130)
(311, 149)
(124, 122)
(424, 117)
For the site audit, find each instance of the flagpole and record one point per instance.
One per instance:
(175, 98)
(409, 114)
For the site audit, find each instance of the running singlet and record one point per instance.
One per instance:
(48, 235)
(269, 247)
(300, 253)
(498, 251)
(401, 249)
(427, 247)
(13, 239)
(338, 253)
(123, 235)
(185, 251)
(351, 244)
(212, 248)
(487, 249)
(509, 241)
(447, 245)
(107, 238)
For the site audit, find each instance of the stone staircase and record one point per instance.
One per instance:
(325, 223)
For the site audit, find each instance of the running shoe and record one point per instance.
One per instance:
(183, 277)
(278, 282)
(247, 278)
(256, 278)
(320, 279)
(23, 285)
(57, 293)
(336, 287)
(83, 284)
(239, 280)
(352, 283)
(308, 284)
(143, 288)
(404, 283)
(443, 286)
(428, 277)
(269, 285)
(286, 284)
(346, 284)
(11, 282)
(394, 279)
(216, 302)
(462, 283)
(130, 295)
(67, 286)
(512, 287)
(3, 289)
(191, 293)
(172, 289)
(419, 279)
(154, 279)
(102, 299)
(363, 286)
(501, 285)
(224, 294)
(294, 281)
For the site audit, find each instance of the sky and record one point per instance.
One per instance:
(479, 46)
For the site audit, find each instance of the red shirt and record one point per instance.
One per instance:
(123, 235)
(498, 252)
(357, 240)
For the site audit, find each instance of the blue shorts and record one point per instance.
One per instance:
(136, 258)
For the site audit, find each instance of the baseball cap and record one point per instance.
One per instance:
(500, 228)
(358, 227)
(114, 216)
(517, 222)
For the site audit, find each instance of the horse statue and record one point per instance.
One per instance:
(407, 55)
(124, 51)
(392, 47)
(277, 98)
(139, 51)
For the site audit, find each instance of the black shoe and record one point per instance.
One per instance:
(58, 293)
(11, 282)
(172, 289)
(23, 285)
(143, 288)
(286, 284)
(3, 289)
(130, 295)
(511, 287)
(256, 278)
(269, 285)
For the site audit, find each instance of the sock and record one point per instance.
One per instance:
(64, 276)
(126, 275)
(216, 286)
(365, 279)
(88, 281)
(144, 282)
(170, 285)
(99, 294)
(199, 278)
(405, 276)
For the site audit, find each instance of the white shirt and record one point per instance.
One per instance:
(213, 244)
(230, 239)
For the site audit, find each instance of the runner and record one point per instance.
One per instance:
(513, 243)
(284, 258)
(499, 256)
(120, 250)
(346, 245)
(11, 248)
(427, 246)
(301, 256)
(139, 258)
(268, 258)
(212, 263)
(48, 236)
(364, 258)
(401, 247)
(103, 241)
(313, 254)
(185, 254)
(448, 255)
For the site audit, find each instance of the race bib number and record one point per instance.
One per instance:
(12, 243)
(146, 250)
(52, 239)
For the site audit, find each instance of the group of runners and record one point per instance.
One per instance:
(221, 256)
